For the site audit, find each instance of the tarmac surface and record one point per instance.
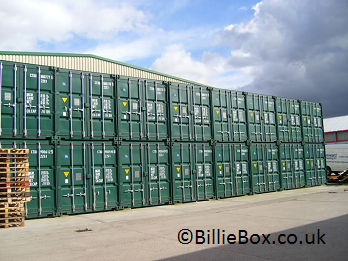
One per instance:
(301, 224)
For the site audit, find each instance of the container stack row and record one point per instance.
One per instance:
(14, 186)
(101, 142)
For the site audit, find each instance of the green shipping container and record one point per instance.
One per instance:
(229, 116)
(42, 181)
(192, 170)
(86, 177)
(190, 113)
(142, 109)
(315, 165)
(144, 174)
(264, 167)
(292, 165)
(312, 122)
(288, 120)
(261, 118)
(232, 170)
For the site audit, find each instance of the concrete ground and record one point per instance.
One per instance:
(317, 214)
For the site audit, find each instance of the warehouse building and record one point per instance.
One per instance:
(88, 63)
(336, 130)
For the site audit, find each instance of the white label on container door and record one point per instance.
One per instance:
(98, 177)
(127, 177)
(135, 106)
(66, 181)
(31, 179)
(108, 175)
(64, 113)
(7, 96)
(162, 172)
(178, 175)
(257, 117)
(76, 101)
(184, 110)
(45, 178)
(153, 173)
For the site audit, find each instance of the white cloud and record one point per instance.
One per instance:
(294, 49)
(212, 70)
(25, 23)
(176, 61)
(243, 8)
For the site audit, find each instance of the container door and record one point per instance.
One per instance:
(224, 169)
(41, 177)
(132, 175)
(104, 181)
(72, 177)
(272, 169)
(321, 167)
(259, 170)
(9, 87)
(180, 112)
(311, 165)
(204, 171)
(130, 108)
(282, 120)
(238, 124)
(70, 105)
(38, 103)
(261, 115)
(158, 168)
(202, 119)
(241, 156)
(254, 115)
(183, 174)
(298, 165)
(155, 115)
(287, 162)
(221, 115)
(102, 103)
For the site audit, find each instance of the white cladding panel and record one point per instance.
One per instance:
(89, 64)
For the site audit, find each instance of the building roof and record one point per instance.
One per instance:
(89, 62)
(336, 124)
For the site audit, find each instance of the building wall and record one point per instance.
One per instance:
(336, 137)
(90, 63)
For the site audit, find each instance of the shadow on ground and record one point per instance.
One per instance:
(335, 247)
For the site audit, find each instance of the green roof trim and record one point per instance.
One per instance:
(99, 58)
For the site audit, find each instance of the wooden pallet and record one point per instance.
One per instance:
(14, 186)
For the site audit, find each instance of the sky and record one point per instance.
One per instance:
(289, 48)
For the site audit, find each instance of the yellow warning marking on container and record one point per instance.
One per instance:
(64, 99)
(124, 104)
(255, 165)
(283, 163)
(280, 117)
(251, 114)
(66, 173)
(217, 111)
(126, 170)
(304, 119)
(307, 162)
(220, 167)
(178, 169)
(175, 107)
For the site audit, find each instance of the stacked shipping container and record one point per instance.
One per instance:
(99, 142)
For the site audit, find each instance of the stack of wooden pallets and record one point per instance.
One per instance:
(14, 186)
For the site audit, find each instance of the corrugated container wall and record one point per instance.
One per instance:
(104, 136)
